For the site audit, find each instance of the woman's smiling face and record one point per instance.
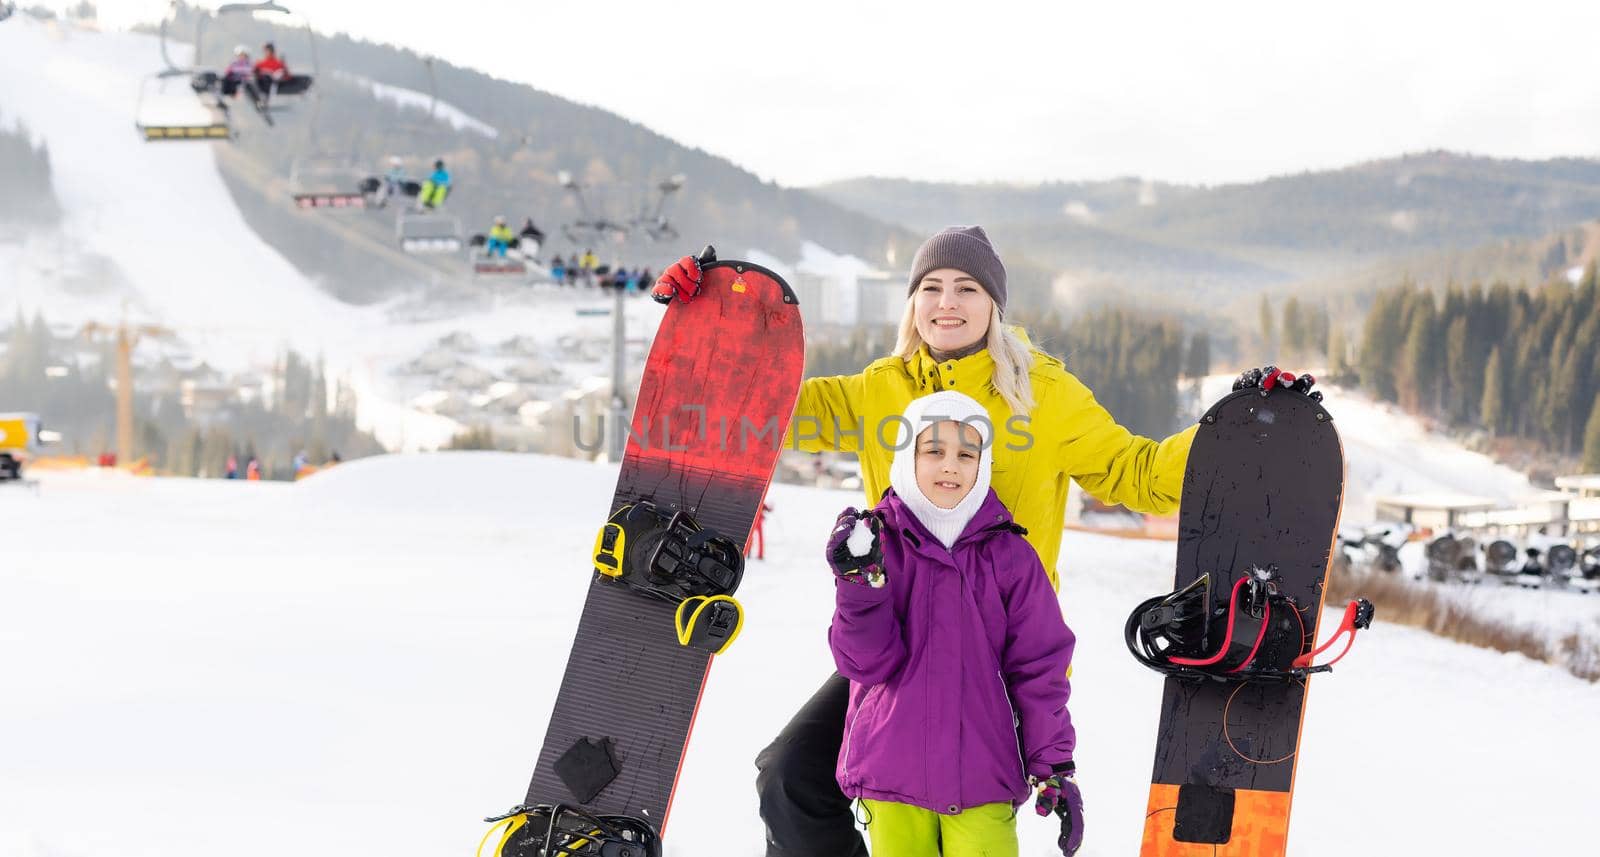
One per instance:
(951, 310)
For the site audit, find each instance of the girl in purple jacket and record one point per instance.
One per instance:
(957, 655)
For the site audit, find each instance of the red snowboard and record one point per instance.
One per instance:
(708, 424)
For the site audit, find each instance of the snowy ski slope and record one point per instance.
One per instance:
(151, 234)
(362, 663)
(443, 111)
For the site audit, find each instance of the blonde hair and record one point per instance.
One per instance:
(1013, 359)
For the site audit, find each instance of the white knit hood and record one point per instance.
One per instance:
(945, 524)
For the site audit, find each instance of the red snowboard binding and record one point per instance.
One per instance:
(1257, 633)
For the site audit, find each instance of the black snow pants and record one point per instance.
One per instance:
(805, 813)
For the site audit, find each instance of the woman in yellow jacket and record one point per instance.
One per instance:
(1048, 429)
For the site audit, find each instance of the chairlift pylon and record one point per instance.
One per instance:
(650, 217)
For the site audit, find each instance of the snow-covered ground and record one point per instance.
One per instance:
(363, 663)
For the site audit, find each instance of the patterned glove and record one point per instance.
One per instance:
(1269, 377)
(848, 557)
(682, 279)
(1059, 794)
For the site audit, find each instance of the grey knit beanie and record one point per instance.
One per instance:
(965, 248)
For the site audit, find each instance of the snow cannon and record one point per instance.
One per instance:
(1500, 560)
(1561, 564)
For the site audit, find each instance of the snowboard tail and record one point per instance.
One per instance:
(1200, 821)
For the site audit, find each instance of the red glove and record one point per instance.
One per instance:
(682, 279)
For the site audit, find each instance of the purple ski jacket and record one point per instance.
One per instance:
(957, 667)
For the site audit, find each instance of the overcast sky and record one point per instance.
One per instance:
(1209, 92)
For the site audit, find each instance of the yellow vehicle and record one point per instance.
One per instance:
(19, 433)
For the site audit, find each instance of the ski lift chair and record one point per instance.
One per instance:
(483, 266)
(207, 82)
(428, 232)
(322, 183)
(184, 125)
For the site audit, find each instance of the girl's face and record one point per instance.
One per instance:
(951, 310)
(947, 462)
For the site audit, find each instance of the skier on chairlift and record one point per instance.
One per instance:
(499, 238)
(239, 73)
(436, 188)
(269, 72)
(392, 184)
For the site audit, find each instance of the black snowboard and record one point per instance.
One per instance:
(1263, 488)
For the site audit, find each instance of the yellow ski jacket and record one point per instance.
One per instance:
(1068, 435)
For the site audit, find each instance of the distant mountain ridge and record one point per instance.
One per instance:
(1196, 244)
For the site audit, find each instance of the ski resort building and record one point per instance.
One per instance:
(1574, 508)
(842, 290)
(1433, 511)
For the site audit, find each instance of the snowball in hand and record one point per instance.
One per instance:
(860, 541)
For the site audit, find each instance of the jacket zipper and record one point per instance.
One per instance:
(850, 728)
(1016, 725)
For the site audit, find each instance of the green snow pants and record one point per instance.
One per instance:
(902, 830)
(432, 195)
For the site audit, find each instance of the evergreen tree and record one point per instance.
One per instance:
(1460, 392)
(1492, 409)
(1591, 440)
(1197, 363)
(1339, 367)
(1317, 327)
(1381, 341)
(1561, 412)
(1267, 339)
(1417, 378)
(1294, 330)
